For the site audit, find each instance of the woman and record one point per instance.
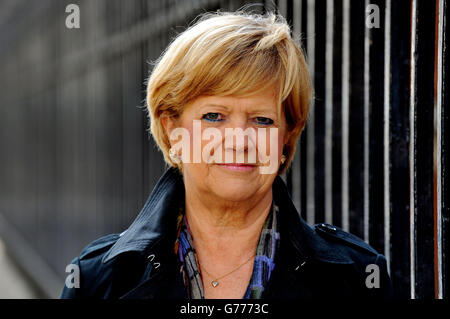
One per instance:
(220, 222)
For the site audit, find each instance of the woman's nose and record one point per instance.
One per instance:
(239, 136)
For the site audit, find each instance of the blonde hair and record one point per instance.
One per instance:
(231, 53)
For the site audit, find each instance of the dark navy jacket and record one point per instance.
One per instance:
(313, 262)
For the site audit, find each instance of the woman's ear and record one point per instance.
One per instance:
(168, 123)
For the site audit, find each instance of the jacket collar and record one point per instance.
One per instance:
(303, 237)
(157, 218)
(157, 221)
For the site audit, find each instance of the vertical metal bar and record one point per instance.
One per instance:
(345, 109)
(366, 129)
(375, 138)
(387, 140)
(234, 5)
(283, 8)
(438, 149)
(356, 118)
(270, 5)
(337, 114)
(399, 174)
(297, 18)
(310, 193)
(424, 130)
(412, 109)
(329, 113)
(319, 111)
(296, 165)
(304, 138)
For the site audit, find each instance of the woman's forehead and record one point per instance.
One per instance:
(261, 100)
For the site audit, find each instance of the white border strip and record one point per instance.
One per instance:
(412, 140)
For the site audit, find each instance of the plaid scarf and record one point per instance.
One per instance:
(263, 266)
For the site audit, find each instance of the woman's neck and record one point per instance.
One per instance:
(225, 227)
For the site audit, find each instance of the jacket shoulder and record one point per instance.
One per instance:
(338, 235)
(93, 275)
(99, 246)
(370, 265)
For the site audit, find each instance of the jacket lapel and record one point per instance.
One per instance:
(156, 220)
(304, 239)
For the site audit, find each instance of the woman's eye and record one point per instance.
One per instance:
(212, 117)
(264, 120)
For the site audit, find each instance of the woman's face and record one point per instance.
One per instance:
(211, 122)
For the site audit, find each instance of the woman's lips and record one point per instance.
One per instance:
(238, 167)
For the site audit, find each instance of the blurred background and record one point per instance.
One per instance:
(77, 161)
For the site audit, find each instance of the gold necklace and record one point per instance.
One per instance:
(215, 282)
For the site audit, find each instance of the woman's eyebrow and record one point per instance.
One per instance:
(252, 110)
(263, 110)
(256, 109)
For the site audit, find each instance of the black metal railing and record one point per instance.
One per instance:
(76, 160)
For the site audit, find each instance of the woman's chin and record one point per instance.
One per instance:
(234, 193)
(235, 183)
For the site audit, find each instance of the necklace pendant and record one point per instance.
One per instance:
(214, 283)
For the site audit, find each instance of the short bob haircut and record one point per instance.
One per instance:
(231, 53)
